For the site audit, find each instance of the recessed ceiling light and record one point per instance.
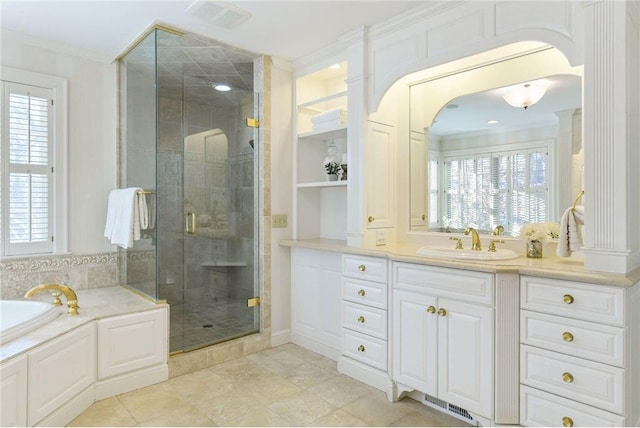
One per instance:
(222, 88)
(450, 106)
(334, 66)
(493, 122)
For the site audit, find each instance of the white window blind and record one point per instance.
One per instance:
(501, 188)
(27, 176)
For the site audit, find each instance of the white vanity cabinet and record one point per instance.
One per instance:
(315, 300)
(13, 390)
(380, 173)
(443, 330)
(579, 363)
(365, 350)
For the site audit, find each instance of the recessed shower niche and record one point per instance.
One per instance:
(187, 144)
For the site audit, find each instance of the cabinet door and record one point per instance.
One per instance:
(316, 296)
(13, 392)
(465, 349)
(418, 184)
(380, 155)
(60, 370)
(415, 349)
(132, 342)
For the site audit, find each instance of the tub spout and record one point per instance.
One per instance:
(72, 298)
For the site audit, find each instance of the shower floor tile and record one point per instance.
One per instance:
(205, 322)
(256, 391)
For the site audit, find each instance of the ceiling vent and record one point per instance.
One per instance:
(218, 13)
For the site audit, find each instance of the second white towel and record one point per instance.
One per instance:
(127, 214)
(570, 239)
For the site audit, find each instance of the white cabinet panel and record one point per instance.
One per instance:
(130, 342)
(365, 292)
(59, 370)
(415, 351)
(538, 409)
(362, 267)
(13, 392)
(591, 383)
(380, 173)
(465, 355)
(366, 349)
(365, 320)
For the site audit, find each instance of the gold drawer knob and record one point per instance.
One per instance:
(567, 377)
(567, 337)
(362, 268)
(370, 219)
(567, 422)
(424, 217)
(361, 348)
(431, 309)
(361, 319)
(568, 299)
(361, 293)
(442, 312)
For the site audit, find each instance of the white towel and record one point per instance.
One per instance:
(123, 216)
(570, 235)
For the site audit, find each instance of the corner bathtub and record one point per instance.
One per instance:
(19, 317)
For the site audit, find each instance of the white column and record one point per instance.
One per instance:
(611, 137)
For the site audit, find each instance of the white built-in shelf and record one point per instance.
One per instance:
(323, 184)
(309, 104)
(224, 263)
(340, 132)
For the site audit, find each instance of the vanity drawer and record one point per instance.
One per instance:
(539, 409)
(456, 283)
(365, 320)
(363, 267)
(597, 342)
(365, 292)
(595, 303)
(591, 383)
(365, 349)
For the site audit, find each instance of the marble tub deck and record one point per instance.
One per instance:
(283, 386)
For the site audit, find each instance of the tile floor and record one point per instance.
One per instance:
(282, 386)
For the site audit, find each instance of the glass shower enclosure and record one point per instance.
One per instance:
(185, 142)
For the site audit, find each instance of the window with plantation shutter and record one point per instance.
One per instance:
(507, 188)
(26, 205)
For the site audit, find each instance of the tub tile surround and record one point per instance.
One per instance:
(81, 272)
(283, 386)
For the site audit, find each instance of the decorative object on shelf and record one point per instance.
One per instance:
(535, 234)
(343, 165)
(333, 170)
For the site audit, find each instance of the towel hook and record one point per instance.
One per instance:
(575, 202)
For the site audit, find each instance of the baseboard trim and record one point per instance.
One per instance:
(130, 381)
(281, 337)
(69, 410)
(372, 377)
(316, 346)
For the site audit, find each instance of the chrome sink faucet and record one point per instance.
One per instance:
(475, 239)
(72, 298)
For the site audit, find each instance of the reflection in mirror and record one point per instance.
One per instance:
(478, 161)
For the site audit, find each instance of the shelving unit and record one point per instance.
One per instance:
(320, 206)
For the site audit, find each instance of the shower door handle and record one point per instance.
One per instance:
(190, 223)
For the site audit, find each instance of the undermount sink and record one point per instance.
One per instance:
(452, 253)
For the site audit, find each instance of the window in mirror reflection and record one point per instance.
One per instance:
(486, 189)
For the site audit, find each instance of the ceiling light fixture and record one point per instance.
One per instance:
(525, 95)
(334, 66)
(222, 88)
(493, 122)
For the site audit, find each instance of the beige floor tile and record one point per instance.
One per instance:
(300, 352)
(302, 408)
(375, 410)
(108, 412)
(196, 384)
(188, 416)
(152, 401)
(272, 389)
(308, 375)
(326, 364)
(263, 417)
(230, 406)
(341, 390)
(339, 418)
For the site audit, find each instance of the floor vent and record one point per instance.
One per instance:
(451, 409)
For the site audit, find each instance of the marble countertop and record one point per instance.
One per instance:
(571, 268)
(94, 304)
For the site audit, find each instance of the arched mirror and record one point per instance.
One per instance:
(496, 144)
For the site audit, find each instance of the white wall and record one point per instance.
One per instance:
(281, 197)
(91, 129)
